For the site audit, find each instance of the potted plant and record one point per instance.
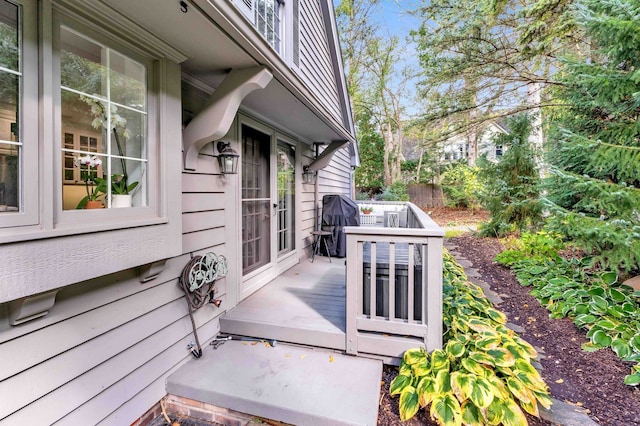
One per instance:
(94, 185)
(120, 188)
(366, 209)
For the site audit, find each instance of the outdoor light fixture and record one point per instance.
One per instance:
(228, 158)
(308, 176)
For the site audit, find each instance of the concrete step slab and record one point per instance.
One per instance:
(291, 384)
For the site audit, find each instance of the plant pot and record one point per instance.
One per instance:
(120, 200)
(93, 204)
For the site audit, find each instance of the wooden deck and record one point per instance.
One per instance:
(307, 306)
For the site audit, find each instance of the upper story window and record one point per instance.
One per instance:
(267, 21)
(104, 125)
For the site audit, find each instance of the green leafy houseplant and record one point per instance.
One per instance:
(366, 209)
(484, 373)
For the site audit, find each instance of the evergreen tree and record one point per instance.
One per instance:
(512, 186)
(594, 148)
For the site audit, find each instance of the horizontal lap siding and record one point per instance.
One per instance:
(102, 354)
(316, 69)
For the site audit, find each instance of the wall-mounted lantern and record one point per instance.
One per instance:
(308, 176)
(227, 158)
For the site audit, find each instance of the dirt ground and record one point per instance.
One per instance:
(592, 381)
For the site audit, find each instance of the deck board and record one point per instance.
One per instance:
(305, 305)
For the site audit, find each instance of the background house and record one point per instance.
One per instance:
(92, 320)
(457, 147)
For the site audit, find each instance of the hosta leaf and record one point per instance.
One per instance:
(601, 339)
(632, 379)
(590, 347)
(480, 326)
(609, 277)
(474, 367)
(601, 302)
(496, 315)
(519, 390)
(455, 349)
(398, 384)
(606, 324)
(635, 343)
(462, 385)
(596, 291)
(499, 388)
(494, 414)
(414, 356)
(532, 382)
(408, 403)
(584, 319)
(621, 348)
(405, 370)
(516, 350)
(502, 357)
(481, 393)
(488, 342)
(530, 407)
(426, 390)
(533, 353)
(512, 414)
(543, 399)
(443, 382)
(471, 415)
(446, 410)
(421, 369)
(439, 360)
(536, 270)
(617, 295)
(482, 358)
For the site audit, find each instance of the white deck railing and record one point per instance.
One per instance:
(394, 279)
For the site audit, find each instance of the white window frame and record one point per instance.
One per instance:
(73, 218)
(28, 213)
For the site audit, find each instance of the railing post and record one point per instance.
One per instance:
(433, 298)
(353, 286)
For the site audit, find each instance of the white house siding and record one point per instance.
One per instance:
(315, 67)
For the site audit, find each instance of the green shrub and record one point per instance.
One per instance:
(482, 376)
(461, 185)
(511, 187)
(396, 192)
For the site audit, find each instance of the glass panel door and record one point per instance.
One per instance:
(286, 158)
(256, 200)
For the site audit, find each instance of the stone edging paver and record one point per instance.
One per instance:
(560, 413)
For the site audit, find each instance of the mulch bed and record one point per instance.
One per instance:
(592, 381)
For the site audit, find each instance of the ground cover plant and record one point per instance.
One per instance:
(483, 375)
(573, 287)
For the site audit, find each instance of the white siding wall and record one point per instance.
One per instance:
(315, 68)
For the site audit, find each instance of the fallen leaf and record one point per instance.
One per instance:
(331, 358)
(267, 344)
(559, 381)
(245, 343)
(287, 355)
(303, 356)
(254, 343)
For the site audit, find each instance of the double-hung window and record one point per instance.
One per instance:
(18, 132)
(103, 95)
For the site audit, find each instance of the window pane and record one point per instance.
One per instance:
(83, 123)
(128, 81)
(9, 178)
(9, 48)
(81, 64)
(9, 89)
(130, 133)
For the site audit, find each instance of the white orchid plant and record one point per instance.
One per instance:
(94, 185)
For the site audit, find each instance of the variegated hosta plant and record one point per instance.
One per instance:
(483, 376)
